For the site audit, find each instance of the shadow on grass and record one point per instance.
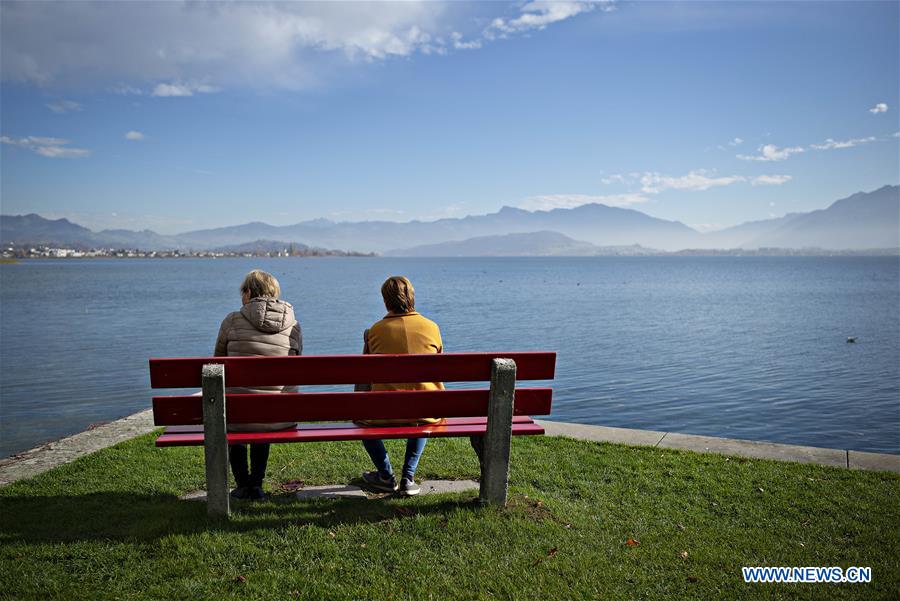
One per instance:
(135, 517)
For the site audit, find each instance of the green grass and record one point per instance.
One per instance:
(110, 525)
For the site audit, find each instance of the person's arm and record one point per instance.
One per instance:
(221, 349)
(297, 339)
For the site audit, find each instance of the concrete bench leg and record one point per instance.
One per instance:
(498, 437)
(215, 442)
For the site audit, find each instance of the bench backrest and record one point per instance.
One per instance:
(348, 369)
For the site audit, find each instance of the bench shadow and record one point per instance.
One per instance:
(137, 517)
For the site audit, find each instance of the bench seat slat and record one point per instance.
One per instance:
(286, 407)
(349, 369)
(181, 436)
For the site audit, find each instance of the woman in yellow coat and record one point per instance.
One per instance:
(402, 331)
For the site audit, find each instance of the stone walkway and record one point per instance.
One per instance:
(857, 460)
(35, 461)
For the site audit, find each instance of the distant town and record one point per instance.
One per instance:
(47, 252)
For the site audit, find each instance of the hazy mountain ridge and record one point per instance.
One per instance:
(865, 220)
(532, 244)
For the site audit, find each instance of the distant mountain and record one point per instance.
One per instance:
(34, 229)
(863, 220)
(265, 247)
(533, 244)
(740, 235)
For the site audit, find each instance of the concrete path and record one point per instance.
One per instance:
(727, 446)
(348, 491)
(35, 461)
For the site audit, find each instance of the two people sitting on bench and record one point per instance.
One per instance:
(264, 326)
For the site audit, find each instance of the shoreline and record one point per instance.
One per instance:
(32, 462)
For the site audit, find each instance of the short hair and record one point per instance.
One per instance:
(398, 294)
(259, 283)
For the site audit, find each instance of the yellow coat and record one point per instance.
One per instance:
(404, 334)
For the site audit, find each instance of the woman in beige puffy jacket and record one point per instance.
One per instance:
(264, 326)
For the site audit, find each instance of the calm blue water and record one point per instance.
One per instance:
(729, 346)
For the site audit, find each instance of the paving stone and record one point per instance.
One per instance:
(333, 491)
(755, 449)
(34, 461)
(602, 433)
(859, 460)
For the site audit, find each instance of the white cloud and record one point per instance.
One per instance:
(548, 202)
(134, 135)
(54, 148)
(830, 144)
(160, 47)
(64, 106)
(770, 180)
(538, 15)
(459, 44)
(896, 134)
(182, 89)
(736, 142)
(879, 108)
(771, 152)
(698, 180)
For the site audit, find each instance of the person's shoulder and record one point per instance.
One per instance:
(427, 322)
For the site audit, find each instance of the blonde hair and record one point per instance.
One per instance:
(259, 283)
(398, 294)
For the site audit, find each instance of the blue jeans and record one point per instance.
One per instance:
(379, 455)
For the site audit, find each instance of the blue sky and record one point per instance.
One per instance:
(175, 117)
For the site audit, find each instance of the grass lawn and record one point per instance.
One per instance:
(110, 525)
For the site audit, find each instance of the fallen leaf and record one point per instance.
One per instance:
(331, 534)
(568, 526)
(681, 526)
(241, 579)
(760, 489)
(693, 579)
(684, 554)
(405, 511)
(551, 553)
(632, 542)
(363, 546)
(291, 485)
(802, 544)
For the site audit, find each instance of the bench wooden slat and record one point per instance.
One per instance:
(349, 369)
(322, 406)
(452, 427)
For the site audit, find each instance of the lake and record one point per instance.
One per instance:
(743, 347)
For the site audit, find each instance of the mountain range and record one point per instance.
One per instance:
(865, 220)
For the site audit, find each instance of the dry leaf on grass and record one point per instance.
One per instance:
(631, 542)
(684, 554)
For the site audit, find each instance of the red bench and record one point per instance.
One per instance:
(496, 413)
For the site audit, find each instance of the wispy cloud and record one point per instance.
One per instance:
(133, 135)
(54, 148)
(879, 108)
(64, 106)
(548, 202)
(159, 47)
(771, 152)
(770, 180)
(698, 180)
(182, 89)
(736, 142)
(538, 15)
(830, 144)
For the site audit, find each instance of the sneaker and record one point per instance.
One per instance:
(240, 493)
(409, 488)
(374, 480)
(256, 493)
